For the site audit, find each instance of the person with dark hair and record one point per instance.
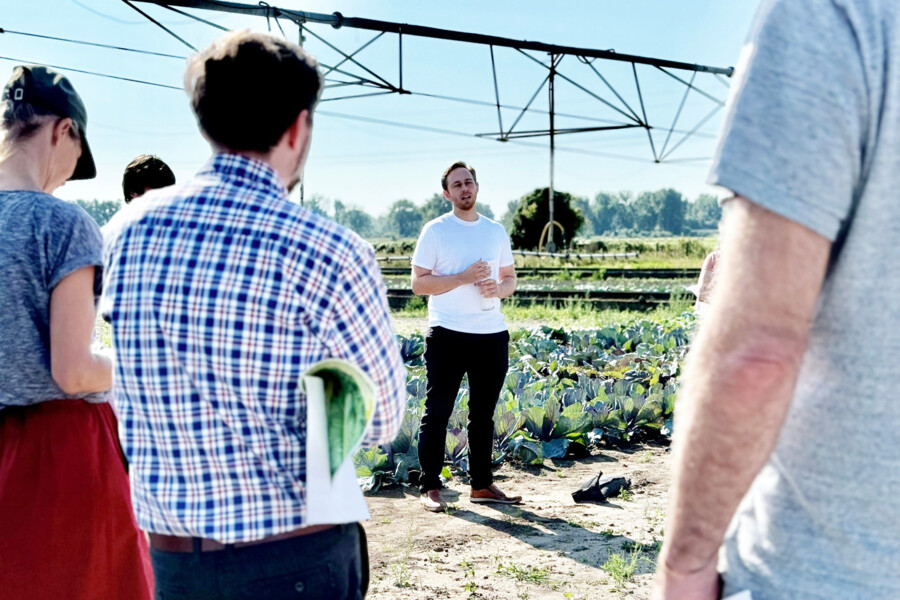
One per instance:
(464, 262)
(146, 172)
(66, 525)
(221, 294)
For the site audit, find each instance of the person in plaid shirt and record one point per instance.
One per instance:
(221, 294)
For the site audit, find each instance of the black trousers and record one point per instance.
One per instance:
(329, 565)
(448, 356)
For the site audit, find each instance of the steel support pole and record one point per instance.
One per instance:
(551, 245)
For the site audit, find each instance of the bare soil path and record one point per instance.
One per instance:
(547, 547)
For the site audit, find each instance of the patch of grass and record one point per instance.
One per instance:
(643, 457)
(654, 515)
(574, 315)
(626, 495)
(401, 573)
(583, 524)
(637, 547)
(608, 534)
(470, 585)
(525, 574)
(621, 567)
(400, 569)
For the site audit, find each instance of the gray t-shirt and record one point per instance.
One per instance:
(44, 239)
(813, 134)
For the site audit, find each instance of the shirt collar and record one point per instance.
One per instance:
(240, 168)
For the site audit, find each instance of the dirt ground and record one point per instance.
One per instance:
(547, 547)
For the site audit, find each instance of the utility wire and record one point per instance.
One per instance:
(472, 135)
(411, 93)
(374, 121)
(195, 17)
(27, 62)
(94, 44)
(106, 16)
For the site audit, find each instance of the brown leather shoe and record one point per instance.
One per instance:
(432, 501)
(493, 494)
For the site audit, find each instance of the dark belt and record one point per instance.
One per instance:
(174, 543)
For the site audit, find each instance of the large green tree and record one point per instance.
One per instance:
(671, 211)
(603, 211)
(703, 213)
(434, 207)
(354, 218)
(319, 204)
(485, 210)
(507, 219)
(404, 219)
(533, 213)
(645, 211)
(612, 214)
(584, 207)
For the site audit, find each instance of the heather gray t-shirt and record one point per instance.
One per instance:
(43, 240)
(813, 134)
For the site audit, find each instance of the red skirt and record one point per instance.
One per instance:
(67, 529)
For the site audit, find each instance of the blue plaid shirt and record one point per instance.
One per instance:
(221, 294)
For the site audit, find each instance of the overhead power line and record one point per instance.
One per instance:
(106, 75)
(373, 121)
(94, 44)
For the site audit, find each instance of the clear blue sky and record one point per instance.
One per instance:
(370, 165)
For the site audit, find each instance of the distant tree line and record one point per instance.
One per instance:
(664, 212)
(403, 219)
(625, 214)
(659, 213)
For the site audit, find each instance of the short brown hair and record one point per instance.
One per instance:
(247, 88)
(145, 172)
(457, 165)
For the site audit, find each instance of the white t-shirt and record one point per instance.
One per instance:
(449, 245)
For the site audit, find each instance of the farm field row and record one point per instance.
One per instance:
(577, 400)
(609, 285)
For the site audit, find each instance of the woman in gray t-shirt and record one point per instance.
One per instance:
(66, 525)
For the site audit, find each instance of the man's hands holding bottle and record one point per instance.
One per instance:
(477, 271)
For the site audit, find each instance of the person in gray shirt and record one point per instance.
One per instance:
(66, 525)
(787, 470)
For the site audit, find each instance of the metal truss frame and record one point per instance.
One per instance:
(338, 75)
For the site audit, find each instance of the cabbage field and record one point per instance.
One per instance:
(565, 391)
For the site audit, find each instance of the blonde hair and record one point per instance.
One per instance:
(19, 121)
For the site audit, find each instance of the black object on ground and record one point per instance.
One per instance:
(599, 488)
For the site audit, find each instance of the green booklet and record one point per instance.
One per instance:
(348, 396)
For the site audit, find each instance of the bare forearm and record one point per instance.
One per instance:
(433, 285)
(729, 417)
(507, 287)
(74, 367)
(91, 374)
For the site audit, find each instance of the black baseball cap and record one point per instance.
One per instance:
(52, 91)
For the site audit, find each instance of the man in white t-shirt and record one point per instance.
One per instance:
(464, 262)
